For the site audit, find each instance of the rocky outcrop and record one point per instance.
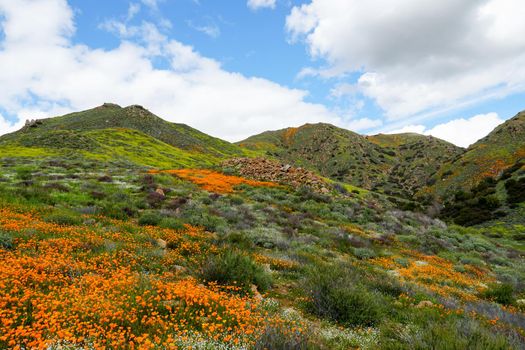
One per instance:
(263, 169)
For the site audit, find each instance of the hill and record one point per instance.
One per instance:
(112, 132)
(487, 181)
(502, 149)
(244, 253)
(395, 164)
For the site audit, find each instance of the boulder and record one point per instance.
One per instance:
(424, 303)
(256, 293)
(161, 243)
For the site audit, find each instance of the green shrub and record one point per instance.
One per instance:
(335, 293)
(442, 334)
(234, 268)
(24, 173)
(63, 218)
(280, 338)
(6, 241)
(203, 219)
(239, 239)
(364, 253)
(173, 223)
(500, 293)
(515, 190)
(236, 200)
(150, 218)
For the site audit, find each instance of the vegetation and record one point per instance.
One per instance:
(394, 164)
(100, 251)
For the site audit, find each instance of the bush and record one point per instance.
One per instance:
(442, 334)
(500, 293)
(336, 294)
(364, 253)
(515, 190)
(63, 218)
(280, 338)
(234, 268)
(24, 173)
(150, 218)
(6, 241)
(173, 223)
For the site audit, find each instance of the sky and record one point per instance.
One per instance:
(451, 69)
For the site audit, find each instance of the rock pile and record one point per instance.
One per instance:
(263, 169)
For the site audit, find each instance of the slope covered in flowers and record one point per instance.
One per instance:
(107, 284)
(119, 257)
(213, 181)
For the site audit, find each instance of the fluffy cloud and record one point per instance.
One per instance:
(414, 56)
(48, 74)
(258, 4)
(461, 132)
(7, 127)
(363, 124)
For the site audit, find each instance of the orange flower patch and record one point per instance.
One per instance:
(213, 181)
(110, 286)
(276, 263)
(437, 274)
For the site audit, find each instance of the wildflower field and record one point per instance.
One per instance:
(107, 284)
(98, 255)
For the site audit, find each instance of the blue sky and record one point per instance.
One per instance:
(236, 68)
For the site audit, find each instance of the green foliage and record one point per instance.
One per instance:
(63, 217)
(399, 164)
(235, 268)
(474, 207)
(6, 241)
(173, 223)
(434, 333)
(152, 218)
(515, 190)
(500, 293)
(279, 338)
(498, 154)
(204, 219)
(364, 253)
(24, 172)
(336, 293)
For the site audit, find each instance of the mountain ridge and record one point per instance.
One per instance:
(372, 162)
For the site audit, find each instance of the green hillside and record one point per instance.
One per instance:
(209, 250)
(395, 164)
(111, 132)
(488, 180)
(417, 158)
(489, 157)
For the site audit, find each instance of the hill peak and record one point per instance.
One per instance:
(134, 117)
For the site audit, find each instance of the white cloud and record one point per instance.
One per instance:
(153, 4)
(363, 124)
(133, 10)
(6, 127)
(50, 74)
(212, 30)
(413, 56)
(259, 4)
(413, 128)
(461, 132)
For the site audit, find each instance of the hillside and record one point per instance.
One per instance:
(395, 164)
(98, 254)
(112, 132)
(203, 249)
(489, 157)
(487, 181)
